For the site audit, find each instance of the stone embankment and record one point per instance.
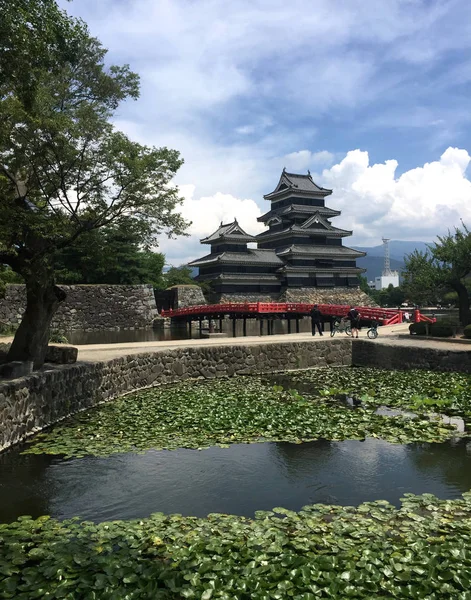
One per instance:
(90, 307)
(188, 295)
(31, 403)
(399, 355)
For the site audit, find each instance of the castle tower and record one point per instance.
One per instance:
(300, 252)
(301, 234)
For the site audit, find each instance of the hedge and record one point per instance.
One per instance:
(434, 329)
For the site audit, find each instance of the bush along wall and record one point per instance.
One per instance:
(434, 329)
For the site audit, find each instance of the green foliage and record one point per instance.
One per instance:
(364, 287)
(58, 337)
(450, 393)
(64, 169)
(444, 267)
(438, 329)
(178, 276)
(7, 275)
(246, 409)
(441, 330)
(421, 550)
(390, 296)
(112, 255)
(467, 331)
(7, 329)
(417, 328)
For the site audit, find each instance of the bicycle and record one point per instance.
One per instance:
(372, 332)
(340, 327)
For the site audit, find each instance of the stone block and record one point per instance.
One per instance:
(16, 369)
(62, 355)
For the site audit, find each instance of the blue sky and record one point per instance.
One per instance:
(372, 96)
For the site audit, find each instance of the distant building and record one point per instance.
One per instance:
(388, 276)
(384, 281)
(300, 251)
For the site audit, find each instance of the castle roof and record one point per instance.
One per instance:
(298, 184)
(299, 209)
(315, 224)
(328, 251)
(232, 232)
(251, 256)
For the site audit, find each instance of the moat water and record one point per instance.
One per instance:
(178, 332)
(238, 480)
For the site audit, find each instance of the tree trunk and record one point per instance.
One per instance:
(463, 303)
(42, 301)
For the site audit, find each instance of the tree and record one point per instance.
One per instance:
(444, 267)
(64, 169)
(364, 287)
(178, 276)
(7, 276)
(112, 255)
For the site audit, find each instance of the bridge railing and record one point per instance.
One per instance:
(385, 316)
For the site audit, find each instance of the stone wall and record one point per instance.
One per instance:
(248, 298)
(389, 356)
(30, 403)
(90, 307)
(350, 296)
(188, 295)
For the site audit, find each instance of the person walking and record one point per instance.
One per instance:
(316, 320)
(354, 317)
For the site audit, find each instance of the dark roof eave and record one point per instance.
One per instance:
(330, 212)
(267, 236)
(240, 239)
(291, 191)
(333, 269)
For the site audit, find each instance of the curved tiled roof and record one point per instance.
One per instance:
(299, 208)
(330, 251)
(251, 256)
(298, 229)
(230, 231)
(295, 182)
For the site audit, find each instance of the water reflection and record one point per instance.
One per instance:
(238, 480)
(24, 489)
(177, 332)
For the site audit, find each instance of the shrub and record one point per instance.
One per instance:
(417, 329)
(450, 320)
(7, 329)
(467, 331)
(57, 337)
(438, 329)
(441, 330)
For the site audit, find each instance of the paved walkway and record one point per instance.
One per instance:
(387, 335)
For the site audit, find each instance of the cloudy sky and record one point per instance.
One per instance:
(372, 96)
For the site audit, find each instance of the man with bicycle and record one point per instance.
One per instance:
(354, 317)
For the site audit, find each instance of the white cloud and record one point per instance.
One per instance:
(308, 54)
(241, 91)
(420, 204)
(206, 213)
(305, 159)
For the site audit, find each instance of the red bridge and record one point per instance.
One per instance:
(288, 310)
